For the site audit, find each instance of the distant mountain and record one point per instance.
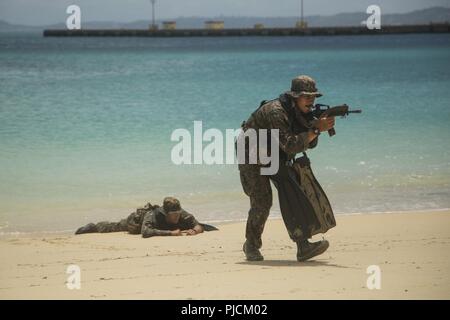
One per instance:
(425, 16)
(7, 27)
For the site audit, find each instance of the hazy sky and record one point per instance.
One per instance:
(35, 12)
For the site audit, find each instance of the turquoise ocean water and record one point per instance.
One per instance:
(85, 123)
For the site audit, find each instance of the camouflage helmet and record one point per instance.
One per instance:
(171, 205)
(303, 85)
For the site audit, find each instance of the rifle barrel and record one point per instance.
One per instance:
(355, 111)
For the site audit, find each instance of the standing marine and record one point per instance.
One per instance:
(299, 130)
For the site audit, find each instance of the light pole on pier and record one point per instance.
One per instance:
(301, 24)
(153, 26)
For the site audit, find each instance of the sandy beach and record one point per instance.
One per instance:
(412, 251)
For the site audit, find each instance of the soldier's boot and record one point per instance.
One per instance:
(252, 253)
(89, 228)
(307, 250)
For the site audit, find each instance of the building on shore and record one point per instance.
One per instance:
(214, 25)
(169, 25)
(301, 24)
(258, 26)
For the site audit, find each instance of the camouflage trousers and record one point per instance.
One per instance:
(106, 226)
(257, 187)
(131, 224)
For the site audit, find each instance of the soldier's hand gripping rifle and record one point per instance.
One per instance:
(323, 110)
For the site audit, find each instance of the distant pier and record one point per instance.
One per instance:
(242, 32)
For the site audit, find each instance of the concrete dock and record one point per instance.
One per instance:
(322, 31)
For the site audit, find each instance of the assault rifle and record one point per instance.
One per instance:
(323, 110)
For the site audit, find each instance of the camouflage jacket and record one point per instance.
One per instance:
(154, 223)
(135, 219)
(292, 124)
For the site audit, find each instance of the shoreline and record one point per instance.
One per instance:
(20, 234)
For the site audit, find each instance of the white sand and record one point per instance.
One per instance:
(411, 249)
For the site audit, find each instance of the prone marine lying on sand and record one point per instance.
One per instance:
(168, 220)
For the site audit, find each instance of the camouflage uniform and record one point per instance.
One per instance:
(155, 224)
(131, 224)
(149, 221)
(293, 138)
